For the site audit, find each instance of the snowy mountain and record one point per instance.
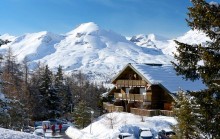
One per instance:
(147, 40)
(88, 48)
(34, 46)
(168, 46)
(95, 51)
(7, 37)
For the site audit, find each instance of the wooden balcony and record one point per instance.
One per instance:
(137, 111)
(133, 97)
(112, 108)
(128, 83)
(148, 112)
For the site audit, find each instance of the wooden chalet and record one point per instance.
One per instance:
(147, 89)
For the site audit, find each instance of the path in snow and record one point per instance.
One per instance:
(62, 135)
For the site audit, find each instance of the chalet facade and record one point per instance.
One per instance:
(147, 89)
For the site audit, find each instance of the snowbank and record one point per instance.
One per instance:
(10, 134)
(121, 122)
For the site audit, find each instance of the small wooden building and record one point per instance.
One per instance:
(147, 89)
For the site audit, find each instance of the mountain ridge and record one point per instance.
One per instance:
(91, 49)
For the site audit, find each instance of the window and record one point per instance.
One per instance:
(142, 90)
(127, 90)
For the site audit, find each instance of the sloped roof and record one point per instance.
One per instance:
(165, 76)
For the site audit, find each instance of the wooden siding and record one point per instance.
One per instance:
(159, 98)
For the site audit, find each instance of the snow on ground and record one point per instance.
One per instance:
(122, 122)
(10, 134)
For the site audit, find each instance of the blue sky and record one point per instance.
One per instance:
(127, 17)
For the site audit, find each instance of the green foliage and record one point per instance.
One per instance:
(49, 94)
(82, 114)
(205, 17)
(186, 117)
(4, 116)
(63, 91)
(208, 120)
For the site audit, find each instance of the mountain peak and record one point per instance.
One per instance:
(85, 28)
(155, 37)
(7, 37)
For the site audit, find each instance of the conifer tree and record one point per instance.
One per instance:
(81, 114)
(199, 61)
(50, 99)
(4, 115)
(37, 103)
(186, 117)
(63, 91)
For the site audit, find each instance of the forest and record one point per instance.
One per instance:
(40, 94)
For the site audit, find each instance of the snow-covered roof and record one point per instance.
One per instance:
(166, 76)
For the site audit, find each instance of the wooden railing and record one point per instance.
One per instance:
(137, 111)
(127, 83)
(111, 107)
(148, 112)
(133, 97)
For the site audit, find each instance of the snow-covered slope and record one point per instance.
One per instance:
(149, 41)
(93, 50)
(88, 48)
(168, 46)
(34, 46)
(7, 37)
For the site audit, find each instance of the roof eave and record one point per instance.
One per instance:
(130, 65)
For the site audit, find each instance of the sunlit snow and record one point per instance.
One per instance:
(123, 122)
(11, 134)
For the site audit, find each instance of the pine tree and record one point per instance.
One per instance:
(82, 114)
(45, 83)
(185, 116)
(37, 103)
(4, 115)
(53, 103)
(205, 17)
(50, 99)
(63, 91)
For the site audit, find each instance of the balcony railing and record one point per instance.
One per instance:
(111, 107)
(127, 83)
(133, 97)
(137, 111)
(148, 112)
